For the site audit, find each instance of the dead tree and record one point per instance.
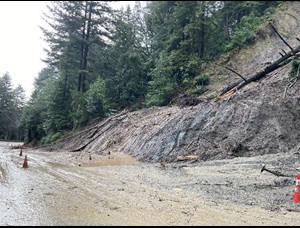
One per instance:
(283, 60)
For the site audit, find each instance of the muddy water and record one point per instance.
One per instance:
(63, 188)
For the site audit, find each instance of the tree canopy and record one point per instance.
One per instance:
(101, 60)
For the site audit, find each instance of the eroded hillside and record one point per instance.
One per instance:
(261, 118)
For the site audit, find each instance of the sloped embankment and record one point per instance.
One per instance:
(258, 119)
(255, 121)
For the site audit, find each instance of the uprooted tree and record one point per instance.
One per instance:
(285, 59)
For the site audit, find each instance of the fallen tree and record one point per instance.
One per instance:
(285, 59)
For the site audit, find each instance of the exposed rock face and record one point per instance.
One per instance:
(256, 120)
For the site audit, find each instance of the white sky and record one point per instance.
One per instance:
(21, 43)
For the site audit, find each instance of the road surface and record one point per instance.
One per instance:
(66, 189)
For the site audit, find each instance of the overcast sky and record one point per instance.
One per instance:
(21, 44)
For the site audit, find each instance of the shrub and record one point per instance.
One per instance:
(201, 80)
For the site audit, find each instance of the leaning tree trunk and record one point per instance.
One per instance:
(273, 66)
(286, 58)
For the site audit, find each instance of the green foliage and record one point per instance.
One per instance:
(268, 13)
(202, 80)
(44, 76)
(245, 32)
(199, 84)
(132, 78)
(102, 59)
(79, 114)
(254, 13)
(94, 98)
(161, 92)
(47, 110)
(12, 101)
(162, 87)
(32, 119)
(57, 100)
(51, 138)
(56, 136)
(199, 89)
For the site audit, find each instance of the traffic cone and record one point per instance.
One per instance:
(25, 164)
(297, 190)
(21, 152)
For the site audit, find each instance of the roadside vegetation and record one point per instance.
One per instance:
(101, 61)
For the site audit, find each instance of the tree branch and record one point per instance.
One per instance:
(235, 73)
(281, 37)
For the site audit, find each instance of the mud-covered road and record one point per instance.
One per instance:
(64, 188)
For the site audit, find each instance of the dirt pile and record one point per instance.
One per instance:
(262, 118)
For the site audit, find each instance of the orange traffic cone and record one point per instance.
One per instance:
(297, 190)
(21, 152)
(25, 164)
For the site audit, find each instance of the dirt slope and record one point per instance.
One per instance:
(91, 179)
(256, 120)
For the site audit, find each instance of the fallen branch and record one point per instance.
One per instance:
(276, 173)
(236, 73)
(281, 38)
(187, 157)
(283, 60)
(273, 66)
(229, 89)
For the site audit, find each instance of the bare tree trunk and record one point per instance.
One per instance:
(86, 46)
(271, 67)
(230, 89)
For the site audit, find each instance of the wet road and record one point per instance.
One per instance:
(46, 193)
(15, 189)
(32, 196)
(68, 189)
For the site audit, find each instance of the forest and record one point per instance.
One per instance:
(101, 61)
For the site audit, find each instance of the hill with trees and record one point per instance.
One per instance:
(103, 61)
